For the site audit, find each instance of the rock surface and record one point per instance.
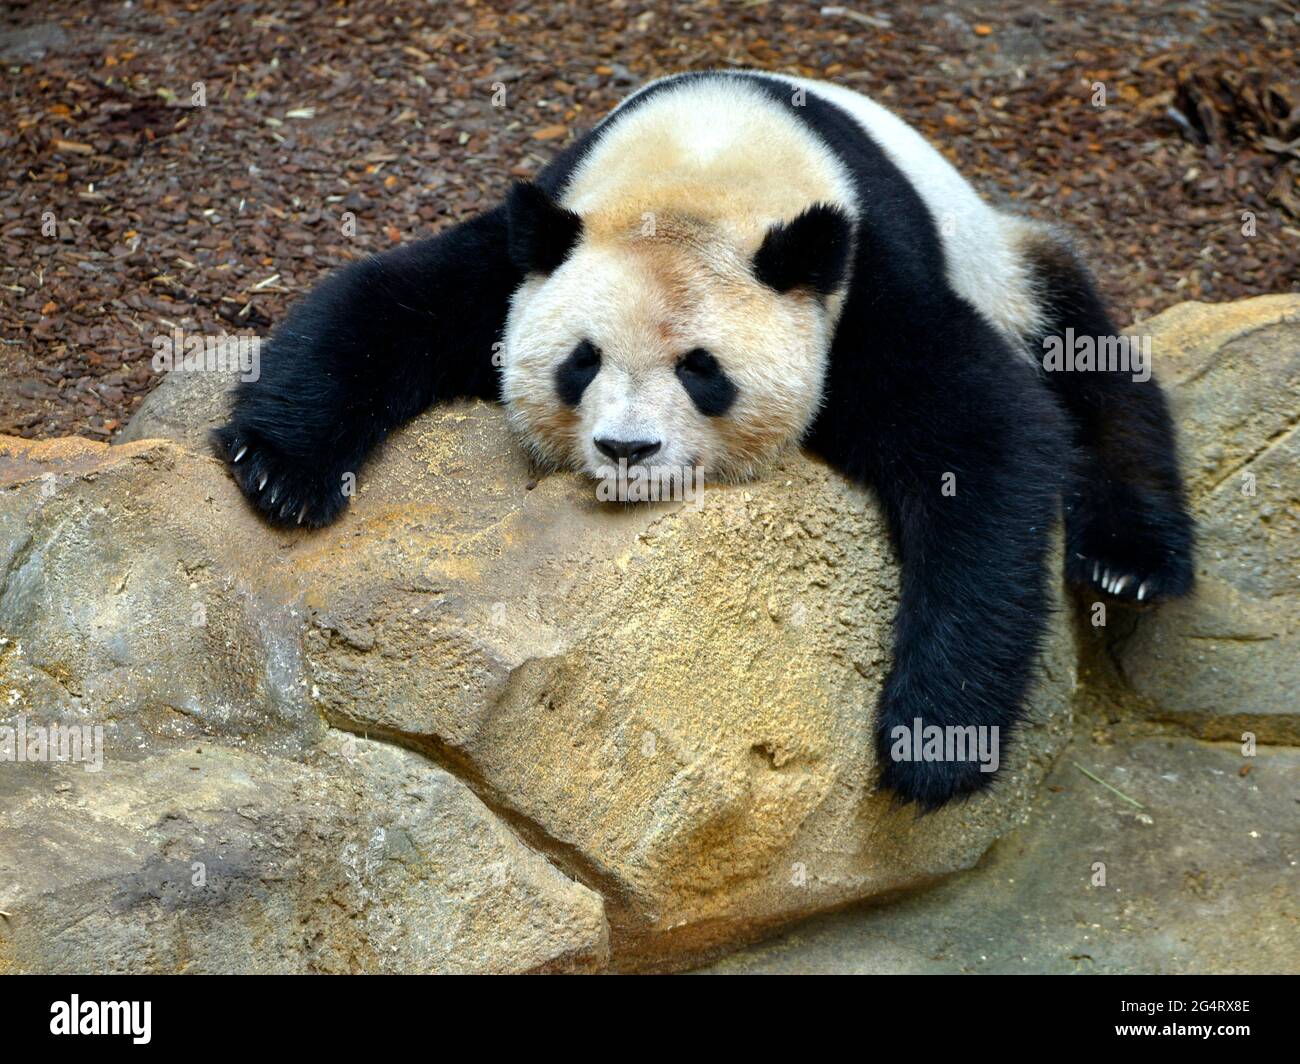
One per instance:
(184, 407)
(1200, 880)
(208, 858)
(672, 705)
(1228, 660)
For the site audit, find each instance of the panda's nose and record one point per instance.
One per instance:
(630, 451)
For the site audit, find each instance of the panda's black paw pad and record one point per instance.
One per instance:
(286, 491)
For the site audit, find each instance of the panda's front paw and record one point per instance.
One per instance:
(286, 491)
(929, 784)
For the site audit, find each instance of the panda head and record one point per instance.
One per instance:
(668, 341)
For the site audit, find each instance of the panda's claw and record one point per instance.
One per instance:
(1123, 584)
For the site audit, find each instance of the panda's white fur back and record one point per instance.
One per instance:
(727, 151)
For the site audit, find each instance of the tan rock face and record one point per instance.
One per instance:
(1204, 827)
(213, 859)
(670, 705)
(1228, 660)
(139, 599)
(1177, 866)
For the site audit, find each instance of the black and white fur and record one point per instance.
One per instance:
(732, 264)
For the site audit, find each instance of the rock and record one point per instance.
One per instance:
(184, 407)
(128, 604)
(670, 705)
(1228, 660)
(1199, 880)
(1201, 877)
(205, 858)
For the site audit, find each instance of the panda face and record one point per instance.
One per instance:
(667, 354)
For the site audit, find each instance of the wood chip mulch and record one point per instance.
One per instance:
(199, 164)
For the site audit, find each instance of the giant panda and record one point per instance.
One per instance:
(733, 264)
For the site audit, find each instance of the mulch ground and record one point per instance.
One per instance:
(198, 165)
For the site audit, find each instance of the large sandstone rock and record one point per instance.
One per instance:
(1198, 879)
(671, 706)
(1227, 661)
(396, 744)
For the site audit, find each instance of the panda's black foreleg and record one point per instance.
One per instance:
(369, 348)
(1128, 532)
(963, 446)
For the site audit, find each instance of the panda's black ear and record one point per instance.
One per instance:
(541, 232)
(811, 251)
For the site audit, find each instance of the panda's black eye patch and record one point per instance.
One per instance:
(577, 371)
(706, 382)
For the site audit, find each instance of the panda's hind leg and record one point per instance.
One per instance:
(1128, 532)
